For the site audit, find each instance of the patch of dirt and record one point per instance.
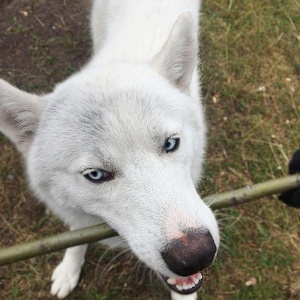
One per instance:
(36, 39)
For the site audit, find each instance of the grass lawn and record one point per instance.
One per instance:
(250, 54)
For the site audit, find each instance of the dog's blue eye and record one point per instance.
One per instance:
(97, 175)
(172, 144)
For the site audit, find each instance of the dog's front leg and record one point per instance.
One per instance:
(66, 275)
(176, 296)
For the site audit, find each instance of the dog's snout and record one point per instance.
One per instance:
(191, 253)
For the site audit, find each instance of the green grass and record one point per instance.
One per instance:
(251, 74)
(248, 45)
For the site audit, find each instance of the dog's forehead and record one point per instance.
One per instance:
(99, 116)
(115, 101)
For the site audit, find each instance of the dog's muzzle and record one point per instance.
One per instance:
(187, 256)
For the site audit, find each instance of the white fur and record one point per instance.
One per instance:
(140, 87)
(176, 296)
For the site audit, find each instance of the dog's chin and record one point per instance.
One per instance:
(184, 285)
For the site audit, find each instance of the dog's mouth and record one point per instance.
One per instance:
(184, 285)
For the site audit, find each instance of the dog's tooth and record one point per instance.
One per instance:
(171, 281)
(196, 280)
(190, 285)
(185, 286)
(179, 287)
(199, 276)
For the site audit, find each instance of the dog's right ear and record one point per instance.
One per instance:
(19, 115)
(177, 59)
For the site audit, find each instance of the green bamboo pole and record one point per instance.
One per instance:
(255, 191)
(56, 242)
(98, 232)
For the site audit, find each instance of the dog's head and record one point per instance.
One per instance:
(125, 143)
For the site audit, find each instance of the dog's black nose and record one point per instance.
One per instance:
(191, 253)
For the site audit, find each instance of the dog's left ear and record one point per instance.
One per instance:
(178, 57)
(19, 115)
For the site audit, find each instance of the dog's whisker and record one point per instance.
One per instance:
(211, 200)
(222, 244)
(137, 267)
(155, 277)
(220, 214)
(111, 261)
(151, 273)
(141, 266)
(110, 248)
(145, 270)
(225, 222)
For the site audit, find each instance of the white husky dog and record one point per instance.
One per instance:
(122, 141)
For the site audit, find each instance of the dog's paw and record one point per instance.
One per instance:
(176, 296)
(64, 279)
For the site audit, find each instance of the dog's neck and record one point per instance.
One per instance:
(128, 27)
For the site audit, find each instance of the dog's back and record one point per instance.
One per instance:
(136, 30)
